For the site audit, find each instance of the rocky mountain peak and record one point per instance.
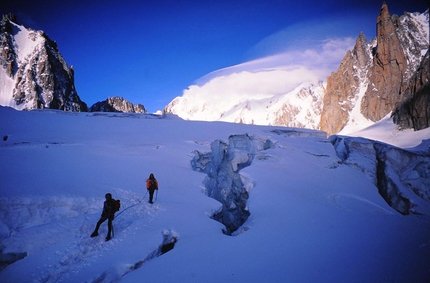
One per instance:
(360, 51)
(33, 73)
(376, 77)
(343, 87)
(388, 50)
(387, 72)
(117, 104)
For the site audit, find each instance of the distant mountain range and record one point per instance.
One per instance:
(387, 76)
(117, 104)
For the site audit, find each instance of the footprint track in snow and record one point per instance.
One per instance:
(83, 250)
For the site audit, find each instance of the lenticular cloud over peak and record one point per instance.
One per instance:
(321, 57)
(260, 79)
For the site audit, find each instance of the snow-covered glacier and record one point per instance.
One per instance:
(307, 204)
(401, 176)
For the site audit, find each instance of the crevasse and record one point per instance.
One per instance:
(223, 181)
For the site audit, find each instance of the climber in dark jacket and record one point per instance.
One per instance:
(108, 213)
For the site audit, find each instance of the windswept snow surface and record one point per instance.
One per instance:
(312, 219)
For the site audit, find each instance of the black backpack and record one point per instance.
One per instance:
(116, 205)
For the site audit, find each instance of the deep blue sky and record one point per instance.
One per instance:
(150, 51)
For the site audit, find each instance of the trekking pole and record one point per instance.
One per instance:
(156, 195)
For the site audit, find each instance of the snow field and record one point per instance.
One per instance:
(312, 218)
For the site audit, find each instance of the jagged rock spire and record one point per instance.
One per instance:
(342, 87)
(387, 72)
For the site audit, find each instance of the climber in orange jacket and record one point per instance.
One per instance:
(151, 186)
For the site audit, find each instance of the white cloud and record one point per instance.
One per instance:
(250, 84)
(262, 78)
(278, 73)
(310, 33)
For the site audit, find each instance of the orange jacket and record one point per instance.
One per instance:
(148, 184)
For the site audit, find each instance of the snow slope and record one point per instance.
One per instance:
(312, 218)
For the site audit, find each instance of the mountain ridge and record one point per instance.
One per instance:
(34, 75)
(350, 98)
(117, 104)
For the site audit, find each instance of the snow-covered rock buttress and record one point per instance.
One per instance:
(223, 181)
(401, 176)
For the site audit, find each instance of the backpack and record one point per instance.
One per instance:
(116, 204)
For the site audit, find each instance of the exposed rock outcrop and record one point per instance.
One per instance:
(47, 81)
(414, 38)
(382, 76)
(40, 76)
(387, 72)
(414, 110)
(117, 104)
(7, 54)
(343, 87)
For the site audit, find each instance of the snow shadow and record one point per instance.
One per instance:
(9, 258)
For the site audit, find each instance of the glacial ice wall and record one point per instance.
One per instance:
(223, 181)
(401, 176)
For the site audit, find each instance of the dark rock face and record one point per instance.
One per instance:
(117, 104)
(387, 71)
(414, 110)
(42, 78)
(46, 80)
(7, 54)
